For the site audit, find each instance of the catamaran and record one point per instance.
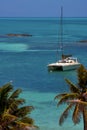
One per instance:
(67, 62)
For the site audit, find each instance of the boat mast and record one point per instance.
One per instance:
(61, 33)
(61, 30)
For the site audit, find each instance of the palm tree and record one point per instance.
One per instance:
(13, 116)
(76, 99)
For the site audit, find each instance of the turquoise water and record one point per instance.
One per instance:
(24, 60)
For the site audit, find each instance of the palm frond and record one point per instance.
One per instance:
(15, 104)
(8, 118)
(77, 98)
(60, 95)
(26, 123)
(67, 97)
(21, 126)
(13, 116)
(7, 85)
(4, 94)
(5, 90)
(78, 101)
(15, 94)
(27, 120)
(23, 111)
(76, 114)
(82, 77)
(65, 114)
(72, 86)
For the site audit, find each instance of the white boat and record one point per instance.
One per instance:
(67, 62)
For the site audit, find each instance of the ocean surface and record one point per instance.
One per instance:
(24, 60)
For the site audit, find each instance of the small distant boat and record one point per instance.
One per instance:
(67, 62)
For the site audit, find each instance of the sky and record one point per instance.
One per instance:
(43, 8)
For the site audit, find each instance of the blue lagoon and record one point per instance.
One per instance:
(24, 60)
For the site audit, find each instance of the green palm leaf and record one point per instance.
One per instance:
(76, 114)
(73, 87)
(65, 114)
(77, 98)
(7, 119)
(30, 121)
(82, 77)
(5, 90)
(67, 97)
(23, 126)
(4, 94)
(60, 95)
(15, 94)
(15, 104)
(27, 120)
(23, 111)
(12, 115)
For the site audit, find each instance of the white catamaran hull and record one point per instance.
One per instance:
(63, 66)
